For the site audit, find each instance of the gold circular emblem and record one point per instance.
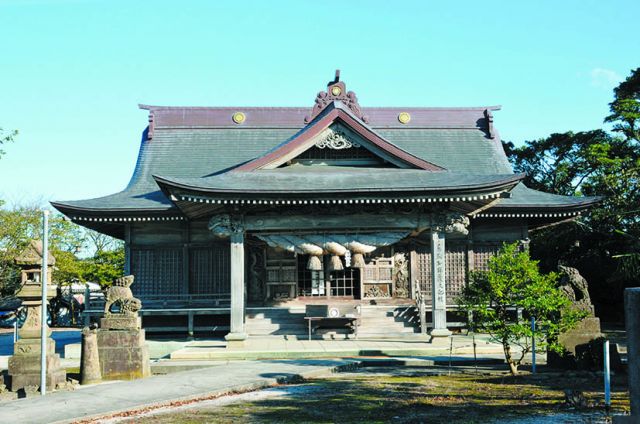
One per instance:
(336, 91)
(404, 117)
(238, 117)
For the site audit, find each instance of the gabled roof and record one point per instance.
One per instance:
(334, 112)
(205, 148)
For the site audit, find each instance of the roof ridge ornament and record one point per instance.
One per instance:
(336, 91)
(489, 117)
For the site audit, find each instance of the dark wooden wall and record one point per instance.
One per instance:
(177, 258)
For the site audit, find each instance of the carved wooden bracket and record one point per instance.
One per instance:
(225, 225)
(336, 90)
(451, 223)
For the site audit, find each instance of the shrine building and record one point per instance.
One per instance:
(248, 213)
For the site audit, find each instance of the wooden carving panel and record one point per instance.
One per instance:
(377, 281)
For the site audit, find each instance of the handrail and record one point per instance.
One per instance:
(422, 307)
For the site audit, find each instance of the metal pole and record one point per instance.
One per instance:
(607, 377)
(533, 345)
(87, 305)
(15, 328)
(475, 357)
(450, 351)
(43, 315)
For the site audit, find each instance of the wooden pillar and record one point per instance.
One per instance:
(438, 279)
(237, 333)
(186, 242)
(127, 249)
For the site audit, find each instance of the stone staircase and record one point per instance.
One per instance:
(377, 322)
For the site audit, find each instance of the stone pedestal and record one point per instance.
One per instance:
(24, 365)
(89, 360)
(236, 340)
(122, 351)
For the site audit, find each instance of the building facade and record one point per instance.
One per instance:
(241, 207)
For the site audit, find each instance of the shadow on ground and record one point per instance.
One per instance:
(385, 395)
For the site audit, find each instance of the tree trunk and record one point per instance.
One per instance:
(513, 366)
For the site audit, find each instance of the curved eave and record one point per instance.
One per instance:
(196, 202)
(169, 185)
(582, 204)
(541, 216)
(66, 208)
(112, 221)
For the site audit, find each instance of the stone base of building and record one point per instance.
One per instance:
(123, 354)
(439, 336)
(236, 340)
(24, 365)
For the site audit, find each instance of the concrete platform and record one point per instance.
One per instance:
(162, 390)
(292, 348)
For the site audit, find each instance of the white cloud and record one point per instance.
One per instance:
(604, 78)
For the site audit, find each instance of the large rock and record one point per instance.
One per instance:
(578, 342)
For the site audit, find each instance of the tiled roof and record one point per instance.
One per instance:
(293, 117)
(308, 179)
(195, 143)
(196, 153)
(523, 197)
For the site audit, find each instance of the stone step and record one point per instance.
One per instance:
(391, 331)
(276, 327)
(280, 315)
(377, 322)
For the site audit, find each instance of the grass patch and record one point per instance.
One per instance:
(375, 397)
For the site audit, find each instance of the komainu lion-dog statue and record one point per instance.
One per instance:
(119, 294)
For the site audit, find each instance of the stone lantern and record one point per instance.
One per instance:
(24, 365)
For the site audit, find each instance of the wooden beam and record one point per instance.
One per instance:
(353, 222)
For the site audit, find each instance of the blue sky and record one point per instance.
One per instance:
(73, 72)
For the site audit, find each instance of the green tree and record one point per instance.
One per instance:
(625, 108)
(21, 224)
(105, 266)
(6, 137)
(514, 281)
(604, 244)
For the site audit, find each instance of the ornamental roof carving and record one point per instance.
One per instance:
(336, 91)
